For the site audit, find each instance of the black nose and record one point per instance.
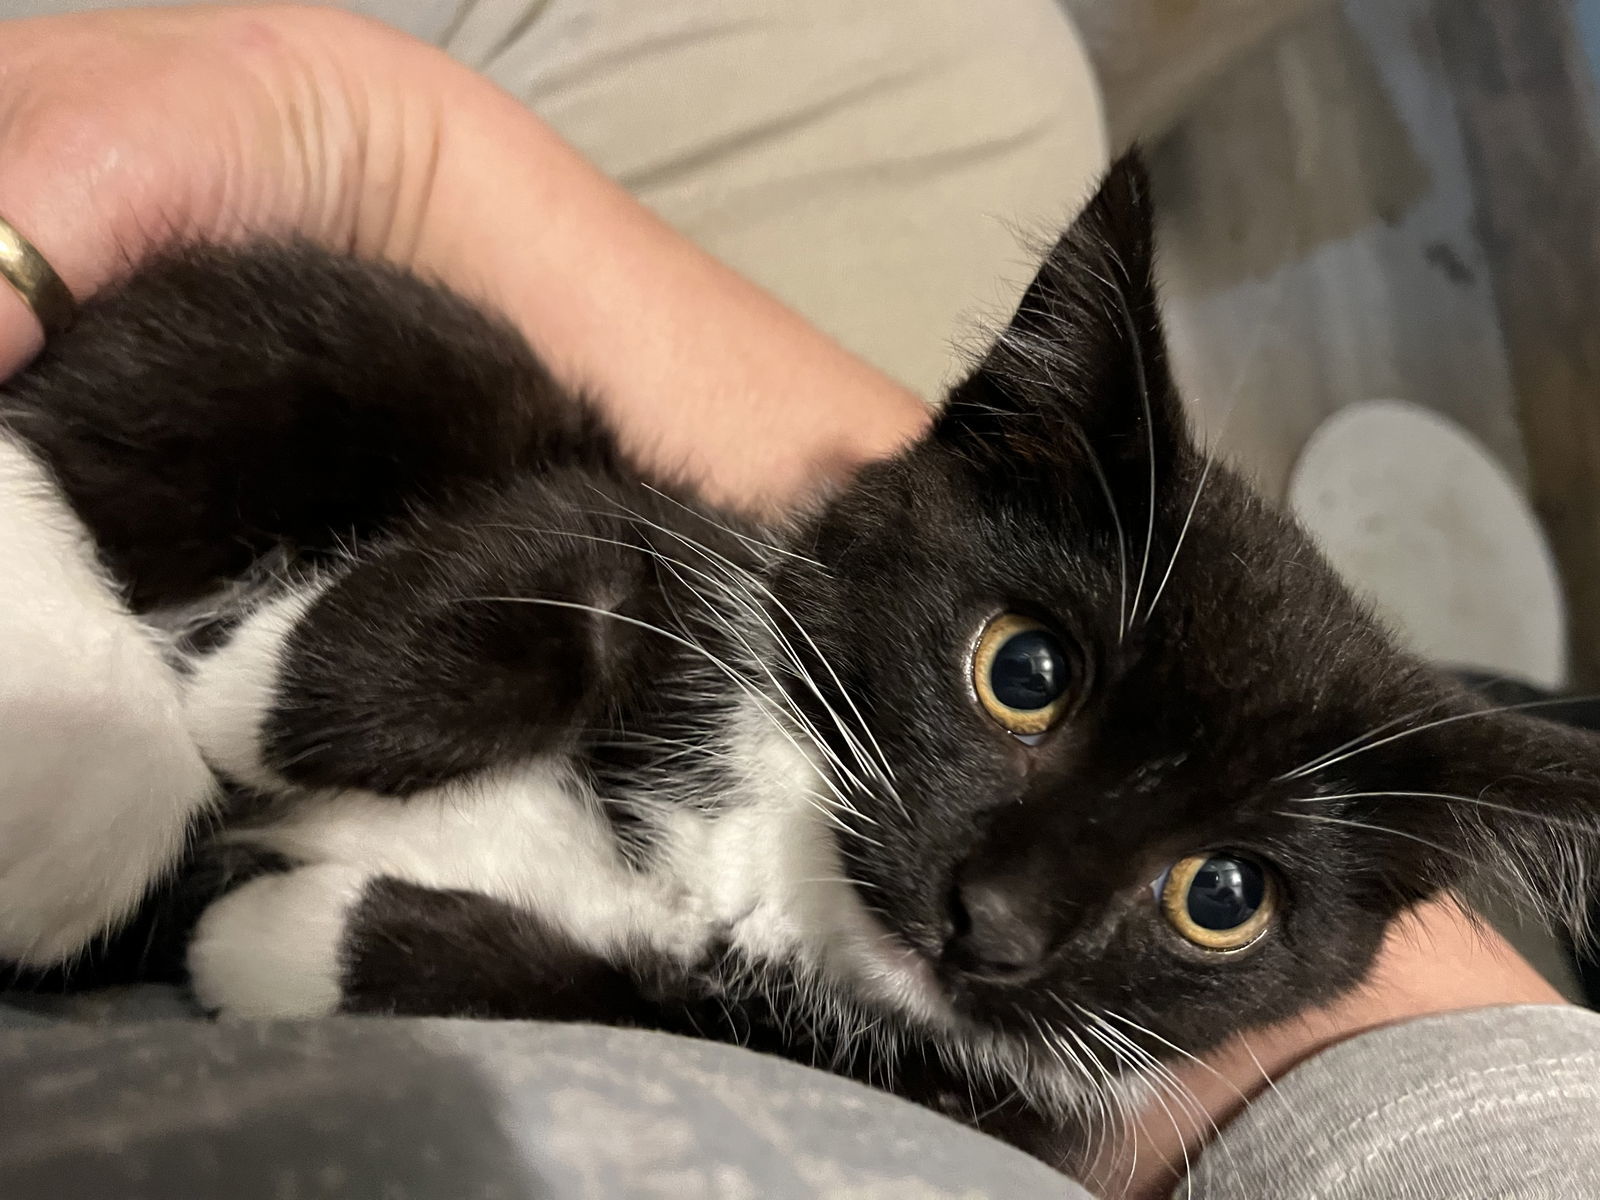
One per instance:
(1002, 922)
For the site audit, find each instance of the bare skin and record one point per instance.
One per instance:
(122, 131)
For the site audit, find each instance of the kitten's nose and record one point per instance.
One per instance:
(1003, 927)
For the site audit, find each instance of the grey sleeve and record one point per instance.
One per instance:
(1494, 1103)
(455, 1110)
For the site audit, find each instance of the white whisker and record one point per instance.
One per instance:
(1379, 829)
(1475, 801)
(1247, 361)
(1188, 519)
(763, 702)
(881, 766)
(1317, 762)
(1450, 720)
(1136, 348)
(753, 542)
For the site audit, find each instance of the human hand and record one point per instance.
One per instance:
(1435, 959)
(123, 131)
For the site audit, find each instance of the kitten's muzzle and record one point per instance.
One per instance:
(1003, 926)
(1035, 882)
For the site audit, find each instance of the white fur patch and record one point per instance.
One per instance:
(528, 835)
(769, 867)
(98, 776)
(234, 688)
(272, 948)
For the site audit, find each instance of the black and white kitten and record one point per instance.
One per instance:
(1038, 754)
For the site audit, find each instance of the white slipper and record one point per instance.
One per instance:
(1416, 514)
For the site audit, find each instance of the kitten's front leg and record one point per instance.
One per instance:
(335, 938)
(466, 645)
(505, 894)
(99, 780)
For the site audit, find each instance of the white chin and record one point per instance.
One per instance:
(891, 973)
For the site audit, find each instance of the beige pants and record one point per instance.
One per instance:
(886, 167)
(889, 168)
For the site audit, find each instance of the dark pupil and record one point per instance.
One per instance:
(1225, 893)
(1029, 671)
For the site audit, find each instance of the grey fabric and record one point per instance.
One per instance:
(1500, 1103)
(1496, 1103)
(454, 1110)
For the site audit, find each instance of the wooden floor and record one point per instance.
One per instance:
(1401, 199)
(1320, 243)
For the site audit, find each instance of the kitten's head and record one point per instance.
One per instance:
(1130, 747)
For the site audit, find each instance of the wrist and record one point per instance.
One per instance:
(1436, 959)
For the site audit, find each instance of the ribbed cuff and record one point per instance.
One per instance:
(1498, 1102)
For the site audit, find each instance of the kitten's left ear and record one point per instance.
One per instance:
(1512, 802)
(1084, 359)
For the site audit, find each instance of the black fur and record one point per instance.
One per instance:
(423, 952)
(440, 653)
(304, 403)
(196, 428)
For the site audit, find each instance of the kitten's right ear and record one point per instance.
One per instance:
(1479, 797)
(1084, 358)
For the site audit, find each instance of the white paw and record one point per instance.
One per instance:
(234, 688)
(99, 779)
(274, 947)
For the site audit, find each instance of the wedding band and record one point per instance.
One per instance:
(35, 280)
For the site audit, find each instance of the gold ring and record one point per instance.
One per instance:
(35, 280)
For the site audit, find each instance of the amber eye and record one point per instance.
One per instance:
(1022, 674)
(1219, 901)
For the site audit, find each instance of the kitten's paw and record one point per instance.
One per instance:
(99, 780)
(275, 947)
(233, 690)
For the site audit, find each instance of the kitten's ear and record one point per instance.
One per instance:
(1515, 806)
(1084, 359)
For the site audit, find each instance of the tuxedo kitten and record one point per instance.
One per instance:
(1039, 755)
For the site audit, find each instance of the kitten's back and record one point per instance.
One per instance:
(226, 402)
